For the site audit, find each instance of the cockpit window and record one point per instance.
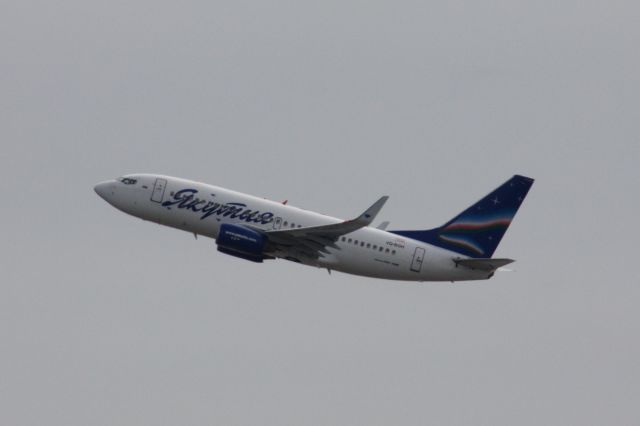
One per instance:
(128, 181)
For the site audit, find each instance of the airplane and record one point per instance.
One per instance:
(257, 229)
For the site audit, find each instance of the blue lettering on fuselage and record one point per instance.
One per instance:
(186, 199)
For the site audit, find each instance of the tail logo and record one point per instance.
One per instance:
(466, 232)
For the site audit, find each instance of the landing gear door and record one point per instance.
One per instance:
(158, 190)
(418, 258)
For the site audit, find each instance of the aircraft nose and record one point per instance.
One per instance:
(104, 189)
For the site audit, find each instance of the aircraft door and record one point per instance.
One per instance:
(277, 223)
(158, 190)
(418, 258)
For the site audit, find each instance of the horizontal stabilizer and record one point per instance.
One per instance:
(488, 265)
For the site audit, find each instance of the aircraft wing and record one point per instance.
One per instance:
(312, 241)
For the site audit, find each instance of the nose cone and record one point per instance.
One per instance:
(105, 189)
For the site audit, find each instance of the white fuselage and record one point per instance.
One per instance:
(368, 251)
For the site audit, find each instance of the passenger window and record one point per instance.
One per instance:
(349, 240)
(375, 247)
(361, 243)
(393, 252)
(380, 249)
(344, 239)
(285, 223)
(387, 250)
(293, 225)
(368, 245)
(355, 242)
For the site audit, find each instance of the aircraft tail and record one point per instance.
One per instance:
(477, 231)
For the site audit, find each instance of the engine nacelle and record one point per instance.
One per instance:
(240, 241)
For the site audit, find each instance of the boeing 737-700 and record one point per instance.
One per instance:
(257, 229)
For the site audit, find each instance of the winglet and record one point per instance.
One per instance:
(383, 225)
(367, 217)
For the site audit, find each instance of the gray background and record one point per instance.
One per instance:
(105, 319)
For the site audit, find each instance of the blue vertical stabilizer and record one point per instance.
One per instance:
(477, 231)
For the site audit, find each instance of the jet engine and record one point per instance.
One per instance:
(240, 241)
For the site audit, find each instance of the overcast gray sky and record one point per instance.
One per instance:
(106, 319)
